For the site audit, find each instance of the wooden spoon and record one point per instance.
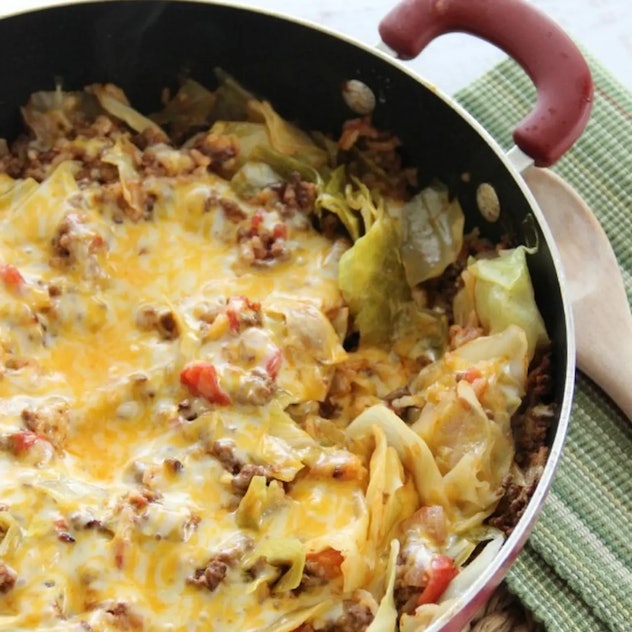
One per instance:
(603, 323)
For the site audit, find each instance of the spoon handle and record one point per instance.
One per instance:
(605, 355)
(601, 311)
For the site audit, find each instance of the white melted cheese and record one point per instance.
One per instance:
(120, 385)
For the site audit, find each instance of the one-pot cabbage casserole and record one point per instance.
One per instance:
(252, 377)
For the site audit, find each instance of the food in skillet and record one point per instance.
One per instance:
(252, 378)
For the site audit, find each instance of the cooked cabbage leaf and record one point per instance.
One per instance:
(258, 499)
(190, 108)
(283, 445)
(252, 177)
(257, 125)
(231, 98)
(114, 101)
(259, 162)
(287, 138)
(294, 620)
(419, 332)
(249, 135)
(372, 280)
(410, 447)
(332, 198)
(468, 430)
(124, 155)
(51, 115)
(500, 293)
(432, 233)
(10, 535)
(390, 496)
(386, 615)
(470, 573)
(460, 449)
(351, 201)
(284, 165)
(14, 192)
(29, 198)
(281, 552)
(373, 275)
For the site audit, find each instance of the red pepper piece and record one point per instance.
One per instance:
(328, 560)
(472, 374)
(233, 319)
(279, 231)
(201, 379)
(442, 572)
(11, 276)
(273, 364)
(23, 440)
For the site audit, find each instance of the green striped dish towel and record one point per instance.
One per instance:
(575, 572)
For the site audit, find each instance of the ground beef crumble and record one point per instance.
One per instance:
(261, 246)
(161, 320)
(8, 577)
(531, 426)
(213, 573)
(225, 452)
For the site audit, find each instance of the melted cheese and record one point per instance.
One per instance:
(81, 344)
(149, 367)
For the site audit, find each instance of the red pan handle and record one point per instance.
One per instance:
(550, 58)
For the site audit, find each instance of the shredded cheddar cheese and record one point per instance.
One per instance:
(194, 433)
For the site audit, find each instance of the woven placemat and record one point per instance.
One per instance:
(575, 572)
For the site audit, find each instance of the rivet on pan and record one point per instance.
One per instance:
(358, 96)
(488, 202)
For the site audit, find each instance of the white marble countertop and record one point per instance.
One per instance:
(603, 27)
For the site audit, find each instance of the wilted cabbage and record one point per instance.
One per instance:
(258, 499)
(282, 552)
(432, 233)
(286, 138)
(10, 534)
(189, 109)
(51, 115)
(252, 177)
(232, 98)
(386, 616)
(351, 201)
(114, 102)
(372, 280)
(499, 291)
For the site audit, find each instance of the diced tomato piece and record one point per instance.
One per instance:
(273, 364)
(442, 571)
(201, 379)
(23, 440)
(96, 243)
(329, 560)
(257, 219)
(233, 319)
(472, 374)
(431, 519)
(11, 276)
(242, 312)
(279, 231)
